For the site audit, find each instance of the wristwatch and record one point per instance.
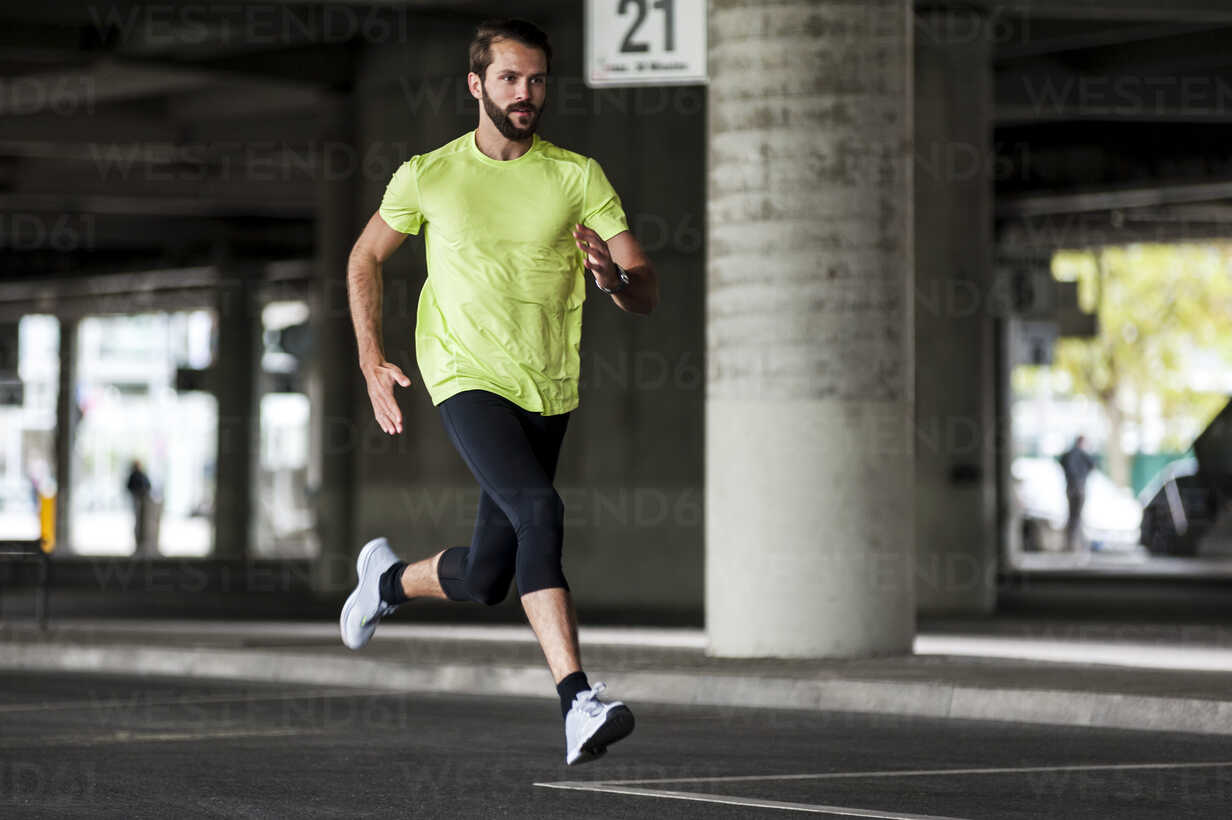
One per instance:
(624, 281)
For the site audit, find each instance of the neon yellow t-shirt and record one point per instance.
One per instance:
(501, 309)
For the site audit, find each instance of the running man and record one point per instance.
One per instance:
(513, 225)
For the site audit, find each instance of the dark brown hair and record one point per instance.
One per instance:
(526, 33)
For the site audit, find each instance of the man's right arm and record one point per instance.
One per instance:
(376, 244)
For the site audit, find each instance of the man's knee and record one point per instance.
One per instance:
(540, 510)
(488, 591)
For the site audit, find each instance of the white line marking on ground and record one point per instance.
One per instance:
(919, 773)
(124, 736)
(628, 787)
(139, 703)
(699, 797)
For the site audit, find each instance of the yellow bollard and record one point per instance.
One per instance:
(47, 522)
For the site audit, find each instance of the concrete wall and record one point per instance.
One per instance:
(630, 470)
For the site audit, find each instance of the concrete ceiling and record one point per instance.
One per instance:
(1119, 111)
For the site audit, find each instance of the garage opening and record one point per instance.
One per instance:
(1147, 386)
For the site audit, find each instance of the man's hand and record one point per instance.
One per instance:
(598, 258)
(642, 294)
(381, 378)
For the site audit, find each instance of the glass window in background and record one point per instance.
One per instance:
(283, 513)
(28, 426)
(144, 453)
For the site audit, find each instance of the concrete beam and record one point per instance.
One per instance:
(1050, 37)
(1199, 89)
(75, 122)
(1037, 237)
(110, 80)
(62, 230)
(1010, 115)
(1193, 11)
(1145, 49)
(231, 99)
(1137, 196)
(182, 206)
(115, 289)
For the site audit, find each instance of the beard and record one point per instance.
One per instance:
(503, 119)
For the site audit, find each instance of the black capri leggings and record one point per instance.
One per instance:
(520, 524)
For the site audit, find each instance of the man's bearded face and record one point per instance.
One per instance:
(511, 124)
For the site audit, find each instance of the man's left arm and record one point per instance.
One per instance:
(623, 249)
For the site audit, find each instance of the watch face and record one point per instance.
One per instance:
(624, 283)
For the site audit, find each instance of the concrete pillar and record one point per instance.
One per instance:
(333, 370)
(66, 425)
(235, 375)
(955, 471)
(809, 536)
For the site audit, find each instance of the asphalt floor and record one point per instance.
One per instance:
(90, 745)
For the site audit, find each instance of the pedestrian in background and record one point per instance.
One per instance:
(138, 487)
(1077, 464)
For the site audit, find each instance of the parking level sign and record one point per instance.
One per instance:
(645, 42)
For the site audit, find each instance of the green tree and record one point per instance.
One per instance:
(1159, 307)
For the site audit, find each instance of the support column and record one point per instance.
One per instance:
(66, 426)
(809, 535)
(955, 471)
(334, 369)
(235, 386)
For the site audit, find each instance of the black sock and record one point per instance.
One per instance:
(391, 585)
(568, 688)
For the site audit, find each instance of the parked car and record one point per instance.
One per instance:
(1111, 516)
(1178, 509)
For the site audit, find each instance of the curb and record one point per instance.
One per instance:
(1105, 710)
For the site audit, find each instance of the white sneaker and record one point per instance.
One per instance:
(364, 608)
(592, 725)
